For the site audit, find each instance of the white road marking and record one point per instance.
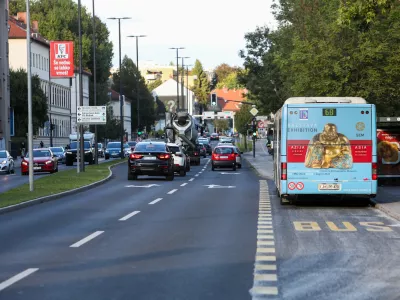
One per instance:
(265, 243)
(263, 290)
(172, 191)
(17, 278)
(196, 175)
(191, 179)
(265, 277)
(155, 201)
(265, 250)
(265, 268)
(183, 184)
(86, 239)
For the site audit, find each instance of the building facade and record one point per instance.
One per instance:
(114, 104)
(5, 139)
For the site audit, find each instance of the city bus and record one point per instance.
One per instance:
(325, 146)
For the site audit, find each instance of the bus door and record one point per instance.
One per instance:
(330, 149)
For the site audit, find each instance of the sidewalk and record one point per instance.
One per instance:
(387, 199)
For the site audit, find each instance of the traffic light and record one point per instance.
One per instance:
(213, 99)
(139, 133)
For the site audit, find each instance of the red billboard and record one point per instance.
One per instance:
(388, 151)
(61, 59)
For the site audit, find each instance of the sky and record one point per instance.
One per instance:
(210, 30)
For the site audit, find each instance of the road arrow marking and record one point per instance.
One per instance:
(226, 173)
(216, 186)
(143, 186)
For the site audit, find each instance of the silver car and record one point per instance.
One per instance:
(6, 162)
(60, 153)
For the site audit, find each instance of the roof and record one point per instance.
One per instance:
(230, 100)
(18, 31)
(301, 100)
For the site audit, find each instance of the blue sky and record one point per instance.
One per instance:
(210, 30)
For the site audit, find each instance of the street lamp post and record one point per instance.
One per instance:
(30, 119)
(137, 80)
(183, 79)
(120, 85)
(81, 139)
(96, 146)
(177, 74)
(189, 104)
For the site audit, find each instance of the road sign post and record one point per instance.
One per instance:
(254, 112)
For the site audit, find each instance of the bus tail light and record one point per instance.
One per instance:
(283, 171)
(374, 171)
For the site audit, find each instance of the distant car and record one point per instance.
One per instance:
(6, 162)
(223, 156)
(71, 153)
(60, 153)
(100, 150)
(43, 161)
(151, 158)
(214, 137)
(194, 155)
(203, 150)
(113, 150)
(206, 144)
(180, 160)
(132, 144)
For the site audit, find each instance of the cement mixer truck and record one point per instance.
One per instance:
(182, 129)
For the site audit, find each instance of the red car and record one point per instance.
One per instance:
(223, 157)
(43, 161)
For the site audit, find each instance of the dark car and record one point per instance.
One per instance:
(214, 137)
(194, 155)
(113, 150)
(71, 154)
(151, 158)
(206, 144)
(203, 150)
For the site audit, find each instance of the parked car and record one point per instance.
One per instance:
(71, 153)
(151, 158)
(43, 161)
(223, 156)
(60, 153)
(180, 160)
(6, 162)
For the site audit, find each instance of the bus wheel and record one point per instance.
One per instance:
(284, 200)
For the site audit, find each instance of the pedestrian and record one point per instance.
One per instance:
(41, 144)
(23, 149)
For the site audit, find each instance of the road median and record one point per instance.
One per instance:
(56, 185)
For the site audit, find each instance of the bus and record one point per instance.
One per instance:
(325, 146)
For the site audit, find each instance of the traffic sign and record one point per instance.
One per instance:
(260, 124)
(300, 186)
(254, 111)
(291, 186)
(208, 115)
(91, 115)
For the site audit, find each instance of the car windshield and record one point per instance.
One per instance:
(203, 141)
(3, 154)
(150, 147)
(126, 146)
(132, 144)
(99, 145)
(173, 149)
(223, 150)
(114, 145)
(74, 145)
(56, 149)
(40, 153)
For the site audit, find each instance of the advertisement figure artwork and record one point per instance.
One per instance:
(329, 149)
(388, 151)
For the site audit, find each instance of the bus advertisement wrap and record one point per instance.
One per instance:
(388, 151)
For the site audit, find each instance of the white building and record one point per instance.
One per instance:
(61, 102)
(126, 110)
(166, 92)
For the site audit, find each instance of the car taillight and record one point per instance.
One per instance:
(374, 171)
(233, 155)
(196, 153)
(283, 171)
(135, 156)
(164, 156)
(214, 156)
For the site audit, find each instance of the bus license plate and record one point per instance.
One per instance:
(329, 187)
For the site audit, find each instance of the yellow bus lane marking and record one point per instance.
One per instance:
(341, 226)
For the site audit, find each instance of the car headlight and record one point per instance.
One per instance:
(49, 162)
(24, 163)
(106, 151)
(3, 162)
(69, 152)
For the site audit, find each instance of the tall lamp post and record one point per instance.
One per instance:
(96, 146)
(177, 74)
(120, 84)
(81, 154)
(183, 80)
(137, 81)
(189, 104)
(30, 119)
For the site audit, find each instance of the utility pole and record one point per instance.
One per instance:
(177, 75)
(81, 139)
(50, 96)
(96, 146)
(183, 81)
(254, 123)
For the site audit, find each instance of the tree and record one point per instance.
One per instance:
(243, 118)
(221, 124)
(201, 86)
(131, 81)
(153, 85)
(19, 102)
(224, 70)
(230, 82)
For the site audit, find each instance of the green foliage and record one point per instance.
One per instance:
(19, 102)
(230, 82)
(131, 81)
(201, 86)
(326, 48)
(153, 85)
(242, 118)
(221, 125)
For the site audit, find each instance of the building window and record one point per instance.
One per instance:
(33, 60)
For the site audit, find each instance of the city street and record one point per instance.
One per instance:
(10, 181)
(198, 237)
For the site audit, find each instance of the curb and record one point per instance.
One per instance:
(59, 195)
(256, 171)
(385, 210)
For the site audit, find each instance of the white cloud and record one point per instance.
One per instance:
(212, 31)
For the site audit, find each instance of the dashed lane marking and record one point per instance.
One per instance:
(17, 278)
(86, 239)
(265, 269)
(172, 191)
(155, 201)
(191, 179)
(183, 184)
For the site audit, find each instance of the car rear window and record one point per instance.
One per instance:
(150, 147)
(223, 150)
(173, 149)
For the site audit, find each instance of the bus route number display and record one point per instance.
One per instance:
(329, 112)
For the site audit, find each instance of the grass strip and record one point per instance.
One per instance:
(56, 183)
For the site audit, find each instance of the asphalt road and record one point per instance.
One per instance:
(196, 238)
(10, 181)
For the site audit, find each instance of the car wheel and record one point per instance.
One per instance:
(182, 173)
(170, 176)
(9, 169)
(68, 163)
(239, 166)
(212, 168)
(107, 157)
(234, 167)
(132, 176)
